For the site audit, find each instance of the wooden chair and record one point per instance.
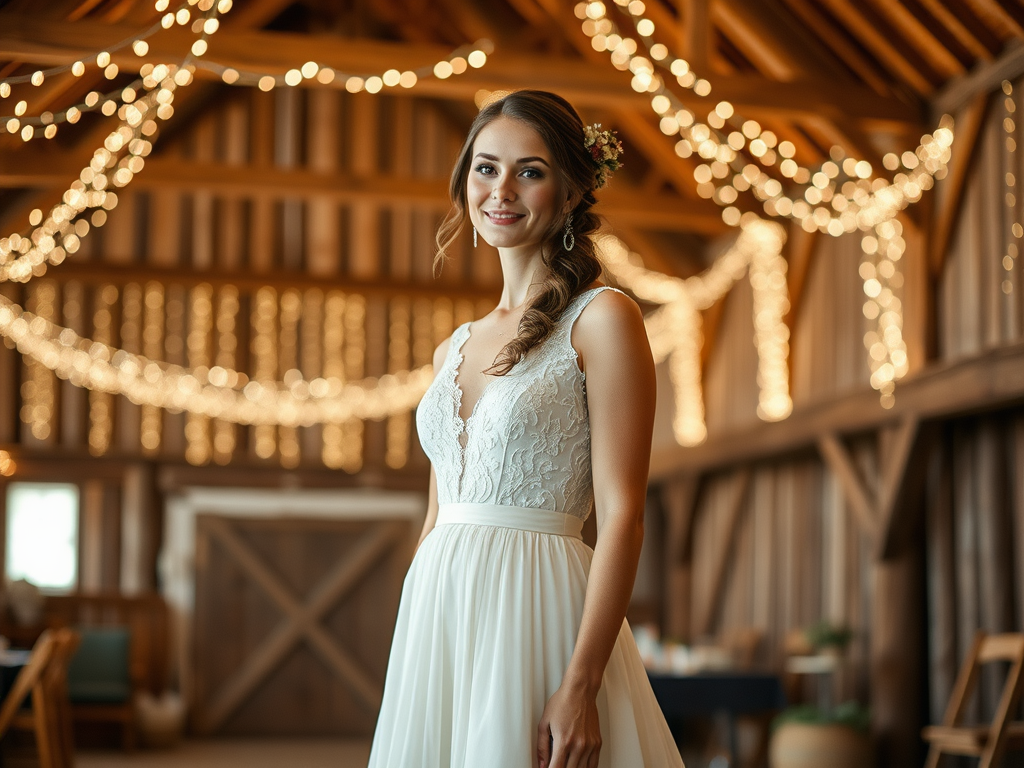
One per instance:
(30, 682)
(987, 742)
(56, 701)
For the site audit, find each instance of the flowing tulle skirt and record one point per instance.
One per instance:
(488, 619)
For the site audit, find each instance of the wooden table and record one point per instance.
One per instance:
(705, 694)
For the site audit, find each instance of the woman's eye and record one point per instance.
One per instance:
(532, 173)
(484, 168)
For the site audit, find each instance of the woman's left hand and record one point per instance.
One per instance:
(569, 734)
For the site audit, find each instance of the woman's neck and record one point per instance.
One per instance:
(522, 274)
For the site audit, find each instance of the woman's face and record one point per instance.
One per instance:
(513, 192)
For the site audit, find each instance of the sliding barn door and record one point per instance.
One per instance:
(293, 623)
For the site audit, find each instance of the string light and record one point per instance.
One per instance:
(457, 62)
(217, 393)
(1016, 231)
(821, 204)
(674, 329)
(45, 124)
(887, 351)
(101, 404)
(112, 165)
(396, 453)
(7, 464)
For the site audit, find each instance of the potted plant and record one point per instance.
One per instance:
(812, 737)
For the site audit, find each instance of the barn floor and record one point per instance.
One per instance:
(225, 753)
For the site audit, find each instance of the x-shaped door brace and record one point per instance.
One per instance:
(301, 620)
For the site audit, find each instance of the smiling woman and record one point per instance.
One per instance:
(510, 646)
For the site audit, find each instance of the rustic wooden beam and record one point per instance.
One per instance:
(887, 50)
(27, 38)
(857, 495)
(852, 55)
(696, 36)
(991, 380)
(980, 81)
(950, 193)
(103, 272)
(720, 562)
(43, 168)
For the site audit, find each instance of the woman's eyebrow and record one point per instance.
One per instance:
(521, 160)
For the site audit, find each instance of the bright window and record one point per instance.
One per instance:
(42, 534)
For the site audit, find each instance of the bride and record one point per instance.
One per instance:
(511, 647)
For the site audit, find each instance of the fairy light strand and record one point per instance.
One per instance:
(45, 124)
(860, 203)
(674, 329)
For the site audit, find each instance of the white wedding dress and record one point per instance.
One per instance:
(492, 602)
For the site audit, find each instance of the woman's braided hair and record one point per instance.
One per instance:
(570, 271)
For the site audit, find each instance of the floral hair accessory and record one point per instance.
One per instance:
(605, 149)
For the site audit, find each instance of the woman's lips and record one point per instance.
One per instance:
(501, 218)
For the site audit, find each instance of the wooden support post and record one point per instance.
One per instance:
(897, 658)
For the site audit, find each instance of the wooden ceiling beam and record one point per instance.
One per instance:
(851, 55)
(95, 271)
(881, 45)
(983, 79)
(931, 49)
(982, 46)
(992, 380)
(46, 168)
(696, 33)
(27, 38)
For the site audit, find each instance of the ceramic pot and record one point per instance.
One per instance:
(810, 745)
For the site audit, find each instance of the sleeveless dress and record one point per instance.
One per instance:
(492, 603)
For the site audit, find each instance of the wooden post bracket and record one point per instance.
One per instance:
(880, 514)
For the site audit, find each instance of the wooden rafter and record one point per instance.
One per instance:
(30, 39)
(30, 169)
(911, 29)
(865, 67)
(99, 271)
(883, 46)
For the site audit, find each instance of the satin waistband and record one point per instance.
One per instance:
(524, 518)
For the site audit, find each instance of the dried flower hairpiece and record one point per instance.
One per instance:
(605, 149)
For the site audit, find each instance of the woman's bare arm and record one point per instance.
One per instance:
(621, 390)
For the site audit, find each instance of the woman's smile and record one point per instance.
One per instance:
(504, 218)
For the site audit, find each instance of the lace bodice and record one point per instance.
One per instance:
(528, 437)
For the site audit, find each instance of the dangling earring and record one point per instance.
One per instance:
(568, 238)
(474, 237)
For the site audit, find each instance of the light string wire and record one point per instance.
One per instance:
(860, 203)
(45, 125)
(675, 328)
(228, 395)
(215, 392)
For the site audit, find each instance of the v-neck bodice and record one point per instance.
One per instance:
(527, 439)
